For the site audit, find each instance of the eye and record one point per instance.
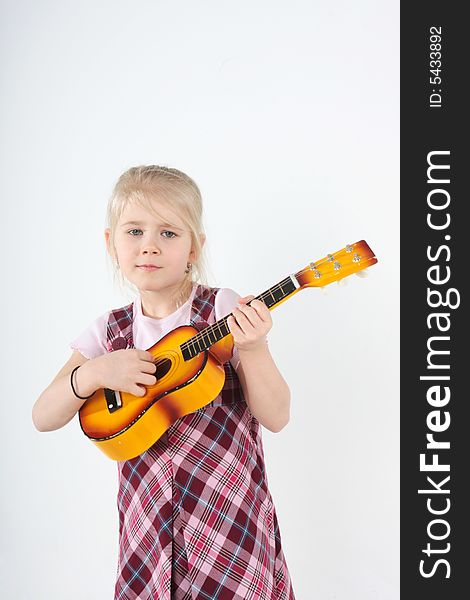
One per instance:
(166, 231)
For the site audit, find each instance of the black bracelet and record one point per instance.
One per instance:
(73, 389)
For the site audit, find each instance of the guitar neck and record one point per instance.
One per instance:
(214, 333)
(332, 267)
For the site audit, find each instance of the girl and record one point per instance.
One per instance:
(196, 518)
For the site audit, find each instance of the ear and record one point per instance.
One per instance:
(107, 235)
(202, 239)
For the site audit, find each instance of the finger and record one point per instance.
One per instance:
(262, 310)
(147, 367)
(146, 379)
(233, 320)
(233, 325)
(253, 327)
(246, 315)
(259, 312)
(150, 380)
(145, 355)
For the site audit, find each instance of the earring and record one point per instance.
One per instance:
(188, 267)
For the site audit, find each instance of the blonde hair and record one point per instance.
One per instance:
(175, 190)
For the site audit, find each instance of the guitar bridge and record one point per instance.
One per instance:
(113, 399)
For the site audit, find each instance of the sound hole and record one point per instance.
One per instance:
(162, 367)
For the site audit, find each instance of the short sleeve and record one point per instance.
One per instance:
(92, 341)
(225, 301)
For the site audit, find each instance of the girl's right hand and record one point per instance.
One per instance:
(127, 370)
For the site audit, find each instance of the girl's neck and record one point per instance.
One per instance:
(159, 305)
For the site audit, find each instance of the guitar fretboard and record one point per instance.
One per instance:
(214, 333)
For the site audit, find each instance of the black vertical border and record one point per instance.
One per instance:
(424, 129)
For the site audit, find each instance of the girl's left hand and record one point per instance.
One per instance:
(250, 324)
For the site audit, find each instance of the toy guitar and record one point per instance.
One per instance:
(189, 367)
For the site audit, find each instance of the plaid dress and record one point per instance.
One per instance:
(196, 518)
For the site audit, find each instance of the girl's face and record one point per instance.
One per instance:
(142, 238)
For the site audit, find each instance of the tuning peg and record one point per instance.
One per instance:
(364, 273)
(342, 282)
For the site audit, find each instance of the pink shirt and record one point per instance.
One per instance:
(148, 330)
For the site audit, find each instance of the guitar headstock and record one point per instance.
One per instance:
(333, 267)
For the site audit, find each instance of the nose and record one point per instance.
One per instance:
(150, 249)
(149, 245)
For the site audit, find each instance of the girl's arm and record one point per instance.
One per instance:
(129, 370)
(57, 405)
(266, 392)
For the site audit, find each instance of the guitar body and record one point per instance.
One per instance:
(123, 425)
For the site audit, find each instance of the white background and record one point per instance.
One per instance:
(287, 117)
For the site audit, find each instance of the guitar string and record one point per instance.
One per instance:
(223, 321)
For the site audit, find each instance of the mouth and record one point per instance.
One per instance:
(148, 267)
